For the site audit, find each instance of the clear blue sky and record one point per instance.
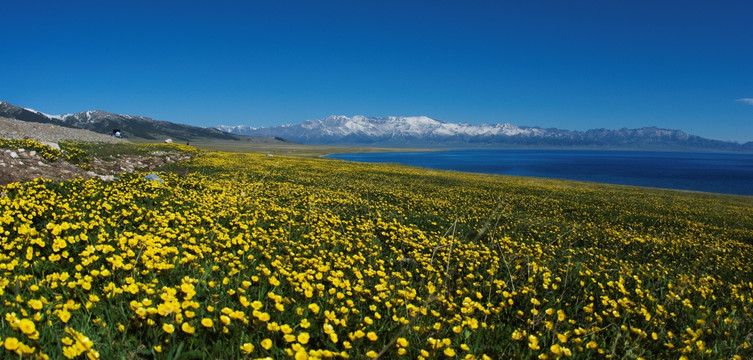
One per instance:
(574, 65)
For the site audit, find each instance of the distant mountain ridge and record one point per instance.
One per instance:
(424, 131)
(394, 131)
(134, 127)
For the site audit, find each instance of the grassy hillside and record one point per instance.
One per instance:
(249, 256)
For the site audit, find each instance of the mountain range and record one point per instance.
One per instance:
(427, 132)
(133, 127)
(392, 131)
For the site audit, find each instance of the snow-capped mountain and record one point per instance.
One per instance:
(379, 129)
(425, 131)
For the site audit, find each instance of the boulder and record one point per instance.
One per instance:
(52, 145)
(153, 177)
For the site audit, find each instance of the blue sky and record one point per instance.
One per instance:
(574, 65)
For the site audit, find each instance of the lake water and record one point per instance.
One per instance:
(727, 173)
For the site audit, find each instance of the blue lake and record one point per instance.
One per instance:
(727, 173)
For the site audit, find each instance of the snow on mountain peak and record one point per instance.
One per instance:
(234, 129)
(56, 117)
(410, 126)
(391, 127)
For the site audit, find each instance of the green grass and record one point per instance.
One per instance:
(290, 149)
(117, 150)
(249, 256)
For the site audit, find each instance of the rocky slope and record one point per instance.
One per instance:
(19, 164)
(17, 129)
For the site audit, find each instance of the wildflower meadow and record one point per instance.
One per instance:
(246, 256)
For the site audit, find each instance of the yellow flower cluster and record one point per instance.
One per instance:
(44, 151)
(249, 256)
(78, 344)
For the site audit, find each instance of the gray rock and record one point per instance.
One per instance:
(52, 145)
(14, 155)
(153, 177)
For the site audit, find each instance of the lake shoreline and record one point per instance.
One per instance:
(710, 172)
